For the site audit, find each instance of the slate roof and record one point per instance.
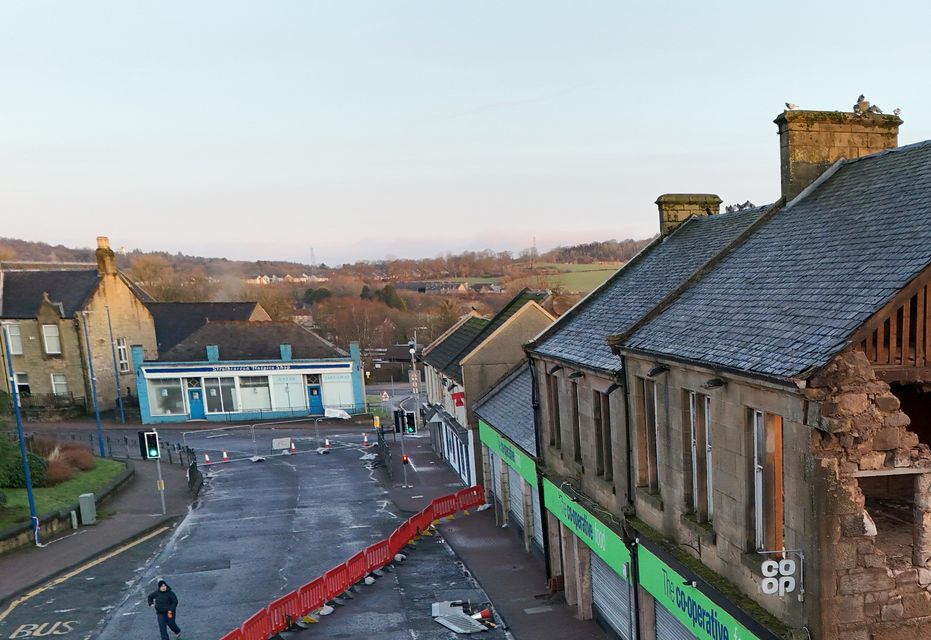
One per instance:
(442, 355)
(508, 408)
(788, 298)
(241, 340)
(580, 335)
(454, 369)
(175, 321)
(22, 290)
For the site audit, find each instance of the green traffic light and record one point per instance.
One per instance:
(153, 453)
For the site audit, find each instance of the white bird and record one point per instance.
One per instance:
(896, 111)
(791, 106)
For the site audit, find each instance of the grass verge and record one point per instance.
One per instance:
(51, 499)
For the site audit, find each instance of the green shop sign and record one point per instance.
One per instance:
(512, 456)
(607, 544)
(702, 617)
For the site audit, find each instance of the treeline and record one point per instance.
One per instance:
(604, 251)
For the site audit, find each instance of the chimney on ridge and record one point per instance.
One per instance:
(676, 208)
(811, 141)
(106, 263)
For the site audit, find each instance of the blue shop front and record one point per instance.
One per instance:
(242, 387)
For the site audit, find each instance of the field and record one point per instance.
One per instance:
(580, 278)
(52, 499)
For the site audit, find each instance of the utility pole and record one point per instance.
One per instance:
(14, 395)
(90, 371)
(116, 368)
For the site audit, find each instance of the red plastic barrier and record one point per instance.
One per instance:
(312, 596)
(283, 608)
(357, 567)
(258, 627)
(337, 581)
(398, 539)
(235, 634)
(471, 497)
(445, 506)
(422, 521)
(377, 555)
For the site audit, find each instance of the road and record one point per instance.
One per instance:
(259, 530)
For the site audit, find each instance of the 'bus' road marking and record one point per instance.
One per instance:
(57, 581)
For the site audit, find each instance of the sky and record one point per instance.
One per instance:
(365, 129)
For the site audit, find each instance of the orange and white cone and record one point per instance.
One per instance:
(326, 443)
(206, 458)
(293, 447)
(226, 458)
(365, 440)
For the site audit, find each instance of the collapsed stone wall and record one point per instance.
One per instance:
(867, 594)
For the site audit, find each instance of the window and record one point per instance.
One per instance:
(221, 395)
(767, 481)
(647, 468)
(552, 392)
(699, 453)
(255, 393)
(122, 355)
(604, 455)
(289, 392)
(15, 335)
(51, 338)
(576, 427)
(166, 397)
(22, 385)
(59, 384)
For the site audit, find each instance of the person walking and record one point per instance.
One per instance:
(166, 605)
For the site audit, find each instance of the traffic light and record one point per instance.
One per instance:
(398, 420)
(148, 445)
(405, 459)
(410, 425)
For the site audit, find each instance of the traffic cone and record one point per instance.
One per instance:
(365, 440)
(326, 443)
(206, 458)
(226, 458)
(293, 447)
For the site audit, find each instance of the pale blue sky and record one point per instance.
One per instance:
(373, 128)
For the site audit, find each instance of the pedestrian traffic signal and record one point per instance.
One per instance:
(410, 425)
(405, 460)
(148, 445)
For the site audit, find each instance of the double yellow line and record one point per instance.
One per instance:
(84, 567)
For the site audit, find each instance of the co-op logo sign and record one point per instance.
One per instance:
(507, 452)
(584, 526)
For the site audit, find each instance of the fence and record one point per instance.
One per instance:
(284, 612)
(384, 451)
(115, 445)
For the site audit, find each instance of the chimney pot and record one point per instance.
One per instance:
(676, 208)
(811, 141)
(106, 261)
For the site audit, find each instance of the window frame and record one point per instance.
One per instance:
(122, 355)
(604, 453)
(576, 422)
(14, 350)
(701, 465)
(555, 424)
(648, 436)
(67, 391)
(45, 337)
(768, 506)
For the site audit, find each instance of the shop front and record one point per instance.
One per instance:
(610, 560)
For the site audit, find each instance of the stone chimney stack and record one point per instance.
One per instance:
(675, 208)
(811, 141)
(106, 262)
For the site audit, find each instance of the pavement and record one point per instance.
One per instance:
(134, 511)
(514, 579)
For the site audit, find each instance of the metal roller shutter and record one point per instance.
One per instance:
(669, 628)
(537, 518)
(496, 476)
(516, 497)
(611, 597)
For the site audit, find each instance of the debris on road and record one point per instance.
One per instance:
(461, 617)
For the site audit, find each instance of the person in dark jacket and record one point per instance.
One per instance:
(166, 604)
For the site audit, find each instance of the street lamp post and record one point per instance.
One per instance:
(116, 368)
(14, 395)
(90, 371)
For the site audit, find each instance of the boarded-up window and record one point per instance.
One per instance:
(699, 480)
(647, 468)
(768, 511)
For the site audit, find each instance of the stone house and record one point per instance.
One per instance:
(46, 307)
(761, 435)
(463, 363)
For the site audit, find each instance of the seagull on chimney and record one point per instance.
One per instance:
(791, 106)
(861, 98)
(875, 109)
(896, 111)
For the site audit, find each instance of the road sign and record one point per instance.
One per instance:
(385, 396)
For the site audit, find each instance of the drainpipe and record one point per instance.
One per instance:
(634, 546)
(544, 520)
